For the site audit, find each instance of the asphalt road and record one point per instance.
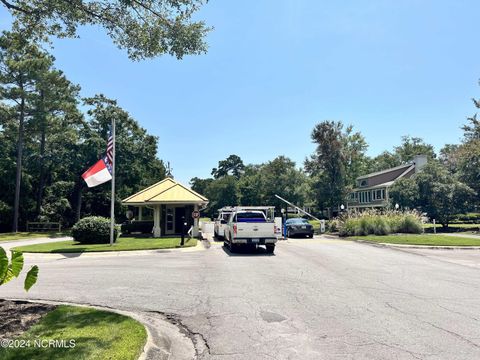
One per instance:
(314, 299)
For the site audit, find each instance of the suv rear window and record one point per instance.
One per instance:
(250, 217)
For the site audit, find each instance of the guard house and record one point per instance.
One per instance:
(171, 202)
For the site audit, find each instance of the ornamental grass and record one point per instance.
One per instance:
(374, 222)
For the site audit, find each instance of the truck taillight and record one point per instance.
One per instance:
(235, 229)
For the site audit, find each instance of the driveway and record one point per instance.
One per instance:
(314, 299)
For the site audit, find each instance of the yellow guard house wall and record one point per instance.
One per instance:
(170, 201)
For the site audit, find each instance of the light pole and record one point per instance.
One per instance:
(342, 208)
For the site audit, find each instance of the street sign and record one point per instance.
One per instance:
(196, 214)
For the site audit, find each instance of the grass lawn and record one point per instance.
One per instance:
(122, 244)
(421, 239)
(97, 334)
(315, 223)
(30, 235)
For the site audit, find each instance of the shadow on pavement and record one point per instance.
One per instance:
(259, 251)
(69, 255)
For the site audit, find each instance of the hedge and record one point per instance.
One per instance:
(141, 226)
(93, 230)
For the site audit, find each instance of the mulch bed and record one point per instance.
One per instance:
(18, 316)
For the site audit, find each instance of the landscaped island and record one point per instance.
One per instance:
(45, 332)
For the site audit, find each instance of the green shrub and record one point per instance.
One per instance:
(410, 225)
(381, 226)
(470, 218)
(141, 226)
(332, 226)
(93, 230)
(347, 228)
(350, 227)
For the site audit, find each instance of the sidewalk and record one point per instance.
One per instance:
(7, 245)
(11, 244)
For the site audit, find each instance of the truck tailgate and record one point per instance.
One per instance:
(255, 230)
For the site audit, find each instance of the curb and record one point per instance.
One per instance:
(406, 246)
(165, 340)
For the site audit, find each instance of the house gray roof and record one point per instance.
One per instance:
(378, 186)
(405, 166)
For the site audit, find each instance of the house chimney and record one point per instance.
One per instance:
(419, 161)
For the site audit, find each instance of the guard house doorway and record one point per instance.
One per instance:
(174, 218)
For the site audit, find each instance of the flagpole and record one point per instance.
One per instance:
(112, 205)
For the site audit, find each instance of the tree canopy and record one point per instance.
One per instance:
(233, 165)
(339, 158)
(49, 136)
(145, 28)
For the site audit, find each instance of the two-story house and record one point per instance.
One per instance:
(372, 190)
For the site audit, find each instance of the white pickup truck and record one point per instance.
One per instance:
(250, 227)
(221, 222)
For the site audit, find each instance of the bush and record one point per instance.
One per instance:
(372, 222)
(410, 225)
(381, 226)
(470, 218)
(332, 226)
(93, 230)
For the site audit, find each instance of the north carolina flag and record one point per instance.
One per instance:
(99, 173)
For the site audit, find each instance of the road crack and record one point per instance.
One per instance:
(199, 341)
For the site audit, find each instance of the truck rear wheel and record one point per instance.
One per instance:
(270, 248)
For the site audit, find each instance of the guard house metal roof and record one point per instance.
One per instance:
(167, 191)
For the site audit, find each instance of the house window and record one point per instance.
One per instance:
(363, 183)
(365, 196)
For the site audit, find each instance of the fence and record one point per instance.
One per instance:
(43, 226)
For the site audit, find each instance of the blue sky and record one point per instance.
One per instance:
(277, 67)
